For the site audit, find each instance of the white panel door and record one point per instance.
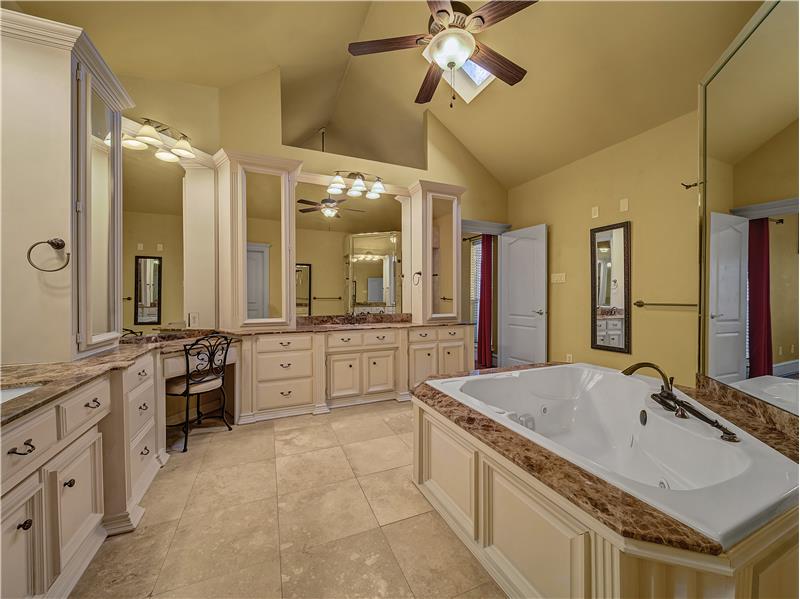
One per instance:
(727, 298)
(523, 296)
(257, 280)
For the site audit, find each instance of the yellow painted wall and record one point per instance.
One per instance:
(149, 230)
(647, 169)
(783, 266)
(770, 172)
(250, 121)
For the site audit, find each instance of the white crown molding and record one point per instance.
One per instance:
(776, 208)
(105, 78)
(38, 31)
(484, 226)
(437, 188)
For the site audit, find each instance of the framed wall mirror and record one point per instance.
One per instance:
(302, 282)
(444, 256)
(611, 287)
(147, 290)
(749, 157)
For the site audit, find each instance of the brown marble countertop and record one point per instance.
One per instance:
(621, 512)
(59, 378)
(322, 328)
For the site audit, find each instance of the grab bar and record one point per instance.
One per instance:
(642, 304)
(327, 298)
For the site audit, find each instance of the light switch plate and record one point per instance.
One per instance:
(569, 358)
(623, 205)
(558, 277)
(595, 211)
(193, 318)
(159, 247)
(140, 246)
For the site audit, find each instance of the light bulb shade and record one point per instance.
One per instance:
(359, 184)
(354, 193)
(451, 48)
(378, 187)
(329, 212)
(165, 155)
(338, 181)
(334, 191)
(183, 148)
(371, 195)
(107, 139)
(132, 143)
(148, 134)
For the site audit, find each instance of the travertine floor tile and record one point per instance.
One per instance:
(375, 408)
(167, 496)
(376, 455)
(126, 566)
(262, 581)
(488, 590)
(434, 561)
(231, 485)
(393, 496)
(229, 449)
(361, 565)
(360, 428)
(312, 469)
(219, 541)
(308, 438)
(408, 439)
(400, 422)
(323, 514)
(254, 427)
(302, 421)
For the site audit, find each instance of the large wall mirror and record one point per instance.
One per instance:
(611, 287)
(264, 263)
(444, 230)
(353, 246)
(749, 167)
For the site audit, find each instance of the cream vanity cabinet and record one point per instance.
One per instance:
(130, 449)
(52, 485)
(440, 350)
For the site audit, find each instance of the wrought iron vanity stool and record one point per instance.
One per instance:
(205, 359)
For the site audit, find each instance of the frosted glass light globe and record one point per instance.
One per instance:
(451, 48)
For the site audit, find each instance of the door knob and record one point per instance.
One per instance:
(539, 312)
(712, 316)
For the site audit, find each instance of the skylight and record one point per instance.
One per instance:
(476, 73)
(468, 81)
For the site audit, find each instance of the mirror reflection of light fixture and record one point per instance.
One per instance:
(148, 134)
(130, 142)
(183, 149)
(166, 155)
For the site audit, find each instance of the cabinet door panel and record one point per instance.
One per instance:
(344, 375)
(19, 550)
(451, 357)
(422, 363)
(378, 372)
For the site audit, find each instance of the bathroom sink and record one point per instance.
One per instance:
(6, 394)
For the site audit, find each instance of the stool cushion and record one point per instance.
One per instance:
(177, 386)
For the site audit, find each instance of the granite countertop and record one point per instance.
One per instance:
(59, 378)
(323, 328)
(621, 512)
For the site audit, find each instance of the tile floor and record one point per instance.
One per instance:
(303, 507)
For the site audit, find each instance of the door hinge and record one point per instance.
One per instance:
(78, 73)
(79, 338)
(78, 206)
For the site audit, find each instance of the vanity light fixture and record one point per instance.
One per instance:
(182, 148)
(148, 134)
(166, 155)
(130, 142)
(338, 181)
(354, 193)
(359, 186)
(334, 191)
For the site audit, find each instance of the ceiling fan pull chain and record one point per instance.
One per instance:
(453, 86)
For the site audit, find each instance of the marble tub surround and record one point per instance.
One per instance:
(323, 327)
(344, 319)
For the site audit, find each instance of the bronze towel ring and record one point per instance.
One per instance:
(55, 243)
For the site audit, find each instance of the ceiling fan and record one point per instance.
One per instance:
(329, 207)
(451, 30)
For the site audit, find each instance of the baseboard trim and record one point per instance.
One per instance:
(124, 522)
(69, 577)
(785, 368)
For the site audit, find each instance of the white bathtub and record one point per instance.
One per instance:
(590, 416)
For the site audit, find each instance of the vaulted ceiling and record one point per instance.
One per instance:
(598, 72)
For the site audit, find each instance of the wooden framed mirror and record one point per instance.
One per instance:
(147, 290)
(611, 287)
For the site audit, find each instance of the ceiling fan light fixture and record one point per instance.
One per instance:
(451, 48)
(165, 155)
(329, 211)
(148, 134)
(183, 148)
(131, 143)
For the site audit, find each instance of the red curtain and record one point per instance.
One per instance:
(485, 305)
(760, 329)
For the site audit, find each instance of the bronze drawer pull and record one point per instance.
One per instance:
(143, 372)
(451, 333)
(70, 483)
(344, 339)
(25, 525)
(429, 354)
(144, 407)
(286, 393)
(31, 448)
(145, 451)
(374, 363)
(381, 337)
(285, 343)
(287, 365)
(94, 404)
(423, 334)
(448, 353)
(349, 365)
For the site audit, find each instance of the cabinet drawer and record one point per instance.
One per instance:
(614, 324)
(344, 339)
(141, 371)
(141, 407)
(31, 438)
(84, 405)
(143, 452)
(276, 343)
(388, 337)
(283, 394)
(601, 325)
(445, 333)
(287, 365)
(421, 335)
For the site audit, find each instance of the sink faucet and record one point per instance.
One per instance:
(667, 399)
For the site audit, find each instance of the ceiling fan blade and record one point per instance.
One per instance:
(342, 201)
(497, 64)
(353, 210)
(309, 209)
(493, 12)
(388, 44)
(338, 215)
(429, 84)
(309, 202)
(442, 11)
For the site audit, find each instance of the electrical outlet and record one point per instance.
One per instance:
(159, 247)
(792, 352)
(623, 205)
(595, 211)
(194, 317)
(780, 350)
(140, 246)
(569, 358)
(558, 277)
